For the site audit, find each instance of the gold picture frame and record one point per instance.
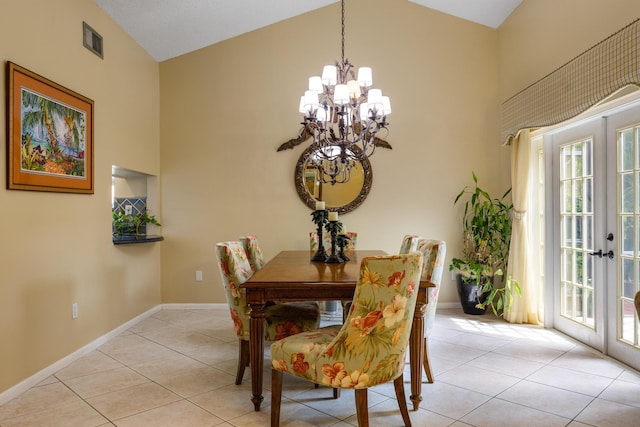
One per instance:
(50, 135)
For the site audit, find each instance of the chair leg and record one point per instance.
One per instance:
(398, 384)
(362, 407)
(243, 360)
(346, 306)
(276, 397)
(427, 366)
(336, 391)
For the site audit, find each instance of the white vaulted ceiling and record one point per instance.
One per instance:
(170, 28)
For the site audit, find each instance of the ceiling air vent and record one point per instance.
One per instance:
(92, 40)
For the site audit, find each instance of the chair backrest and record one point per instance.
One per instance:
(234, 271)
(371, 345)
(637, 303)
(326, 238)
(409, 243)
(433, 254)
(254, 253)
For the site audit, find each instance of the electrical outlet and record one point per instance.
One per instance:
(74, 310)
(198, 275)
(128, 209)
(453, 275)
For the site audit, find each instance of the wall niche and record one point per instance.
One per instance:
(133, 194)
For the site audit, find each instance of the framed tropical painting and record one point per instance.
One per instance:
(50, 135)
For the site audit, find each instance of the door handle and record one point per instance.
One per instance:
(600, 254)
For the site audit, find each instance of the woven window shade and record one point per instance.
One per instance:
(576, 86)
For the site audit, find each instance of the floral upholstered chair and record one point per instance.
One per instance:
(433, 253)
(326, 237)
(254, 253)
(369, 349)
(282, 320)
(409, 243)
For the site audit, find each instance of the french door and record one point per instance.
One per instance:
(595, 225)
(623, 329)
(579, 213)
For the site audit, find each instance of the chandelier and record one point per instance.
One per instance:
(342, 114)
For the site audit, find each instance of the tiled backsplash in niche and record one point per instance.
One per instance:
(138, 206)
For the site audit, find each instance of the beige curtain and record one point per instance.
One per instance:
(525, 307)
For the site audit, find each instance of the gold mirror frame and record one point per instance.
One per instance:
(309, 200)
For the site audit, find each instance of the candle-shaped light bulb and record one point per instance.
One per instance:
(354, 89)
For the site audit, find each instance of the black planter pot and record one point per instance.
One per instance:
(470, 294)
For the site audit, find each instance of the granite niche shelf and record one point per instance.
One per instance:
(128, 240)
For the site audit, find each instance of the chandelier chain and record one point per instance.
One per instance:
(342, 31)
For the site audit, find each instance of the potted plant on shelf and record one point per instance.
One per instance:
(131, 224)
(486, 227)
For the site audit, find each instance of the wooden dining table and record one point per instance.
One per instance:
(292, 276)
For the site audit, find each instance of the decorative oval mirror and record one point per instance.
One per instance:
(340, 197)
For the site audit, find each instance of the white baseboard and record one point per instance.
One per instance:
(40, 376)
(45, 373)
(195, 306)
(448, 305)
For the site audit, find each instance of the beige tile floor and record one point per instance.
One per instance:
(176, 368)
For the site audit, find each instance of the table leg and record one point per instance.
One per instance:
(416, 345)
(256, 347)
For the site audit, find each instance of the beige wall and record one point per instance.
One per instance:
(226, 108)
(542, 35)
(56, 248)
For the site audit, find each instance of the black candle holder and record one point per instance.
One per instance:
(342, 242)
(333, 227)
(320, 219)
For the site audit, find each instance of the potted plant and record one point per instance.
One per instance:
(486, 226)
(131, 224)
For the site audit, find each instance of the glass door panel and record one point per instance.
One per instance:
(576, 269)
